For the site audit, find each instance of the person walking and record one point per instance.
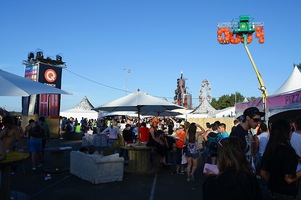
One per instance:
(192, 153)
(36, 131)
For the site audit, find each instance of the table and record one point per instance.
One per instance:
(57, 159)
(11, 158)
(139, 159)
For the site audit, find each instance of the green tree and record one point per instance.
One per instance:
(226, 101)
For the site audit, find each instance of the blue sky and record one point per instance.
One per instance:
(155, 39)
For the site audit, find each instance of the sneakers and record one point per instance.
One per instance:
(33, 169)
(192, 177)
(48, 177)
(173, 173)
(40, 165)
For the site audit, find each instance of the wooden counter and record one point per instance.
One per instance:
(139, 159)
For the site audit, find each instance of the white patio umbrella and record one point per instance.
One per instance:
(140, 102)
(166, 113)
(120, 113)
(14, 85)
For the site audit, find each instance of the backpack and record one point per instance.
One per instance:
(37, 131)
(213, 139)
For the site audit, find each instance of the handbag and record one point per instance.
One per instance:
(183, 159)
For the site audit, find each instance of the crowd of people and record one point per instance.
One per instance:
(257, 161)
(253, 161)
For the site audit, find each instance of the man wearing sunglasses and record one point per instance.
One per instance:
(251, 119)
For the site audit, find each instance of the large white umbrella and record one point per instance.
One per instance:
(166, 113)
(140, 102)
(120, 113)
(13, 85)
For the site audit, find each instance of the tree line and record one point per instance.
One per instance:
(226, 100)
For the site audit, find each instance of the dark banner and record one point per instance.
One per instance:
(50, 75)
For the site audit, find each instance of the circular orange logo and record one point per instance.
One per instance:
(50, 75)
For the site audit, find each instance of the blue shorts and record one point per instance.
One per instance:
(35, 145)
(193, 155)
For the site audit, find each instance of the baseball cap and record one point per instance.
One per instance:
(253, 111)
(240, 118)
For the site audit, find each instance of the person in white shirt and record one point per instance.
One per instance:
(263, 138)
(296, 139)
(296, 144)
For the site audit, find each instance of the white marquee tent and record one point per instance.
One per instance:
(204, 110)
(83, 109)
(285, 100)
(292, 83)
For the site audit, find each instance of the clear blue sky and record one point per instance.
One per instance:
(156, 39)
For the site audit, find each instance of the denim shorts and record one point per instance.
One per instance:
(193, 155)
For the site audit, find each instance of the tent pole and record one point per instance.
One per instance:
(138, 136)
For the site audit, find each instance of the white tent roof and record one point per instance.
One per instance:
(292, 83)
(84, 104)
(83, 109)
(204, 108)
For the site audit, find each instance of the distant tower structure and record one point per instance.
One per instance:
(205, 91)
(182, 98)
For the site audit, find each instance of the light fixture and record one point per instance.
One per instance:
(59, 58)
(30, 56)
(39, 55)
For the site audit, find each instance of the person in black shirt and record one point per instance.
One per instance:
(251, 119)
(127, 134)
(235, 179)
(279, 162)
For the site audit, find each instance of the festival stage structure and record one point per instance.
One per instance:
(47, 71)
